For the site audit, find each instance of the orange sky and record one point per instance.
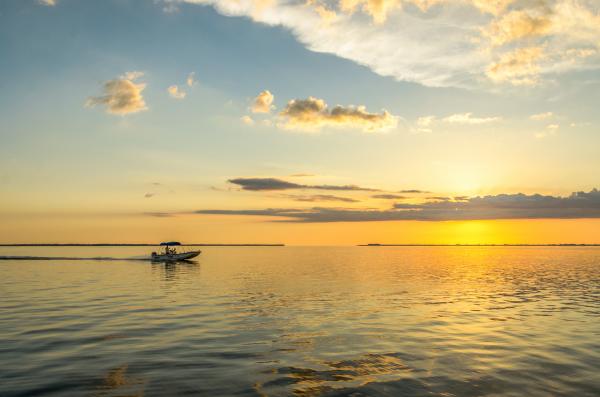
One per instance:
(218, 229)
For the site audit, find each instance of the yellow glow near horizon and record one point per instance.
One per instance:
(236, 229)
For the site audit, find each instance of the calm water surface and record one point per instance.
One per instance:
(360, 321)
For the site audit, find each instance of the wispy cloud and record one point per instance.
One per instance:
(519, 67)
(321, 197)
(272, 184)
(301, 175)
(191, 79)
(541, 116)
(425, 124)
(551, 129)
(467, 118)
(49, 3)
(176, 92)
(440, 42)
(517, 25)
(121, 95)
(413, 191)
(502, 206)
(247, 120)
(159, 214)
(389, 196)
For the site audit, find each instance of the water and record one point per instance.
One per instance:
(279, 321)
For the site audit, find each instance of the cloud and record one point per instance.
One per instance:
(413, 191)
(149, 195)
(176, 92)
(312, 114)
(263, 102)
(467, 118)
(425, 124)
(49, 3)
(301, 175)
(518, 24)
(270, 184)
(580, 124)
(327, 16)
(321, 197)
(257, 184)
(493, 7)
(191, 79)
(519, 67)
(159, 214)
(551, 129)
(503, 206)
(247, 120)
(388, 196)
(458, 43)
(541, 116)
(377, 9)
(121, 95)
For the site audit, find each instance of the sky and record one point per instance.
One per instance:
(300, 122)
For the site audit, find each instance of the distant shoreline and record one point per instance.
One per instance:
(480, 245)
(133, 245)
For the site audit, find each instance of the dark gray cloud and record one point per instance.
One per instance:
(439, 198)
(270, 184)
(388, 196)
(502, 206)
(413, 191)
(258, 184)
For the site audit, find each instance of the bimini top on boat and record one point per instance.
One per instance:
(171, 254)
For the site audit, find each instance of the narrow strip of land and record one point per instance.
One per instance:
(479, 245)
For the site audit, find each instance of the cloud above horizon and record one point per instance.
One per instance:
(263, 103)
(272, 184)
(191, 79)
(121, 95)
(312, 113)
(175, 92)
(467, 118)
(460, 43)
(320, 197)
(502, 206)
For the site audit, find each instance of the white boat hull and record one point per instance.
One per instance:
(183, 256)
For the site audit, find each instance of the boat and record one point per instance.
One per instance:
(171, 255)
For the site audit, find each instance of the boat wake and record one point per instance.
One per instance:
(72, 258)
